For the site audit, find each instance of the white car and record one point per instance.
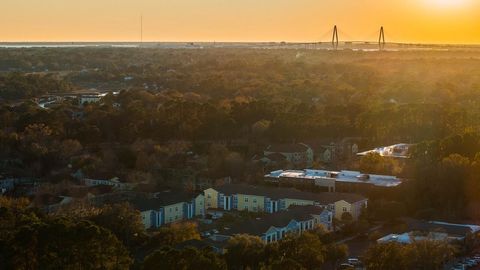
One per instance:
(346, 266)
(354, 261)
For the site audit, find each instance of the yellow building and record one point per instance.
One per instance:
(290, 202)
(354, 208)
(251, 203)
(272, 199)
(211, 198)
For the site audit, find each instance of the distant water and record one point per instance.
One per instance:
(47, 45)
(354, 46)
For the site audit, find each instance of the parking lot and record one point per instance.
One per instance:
(469, 262)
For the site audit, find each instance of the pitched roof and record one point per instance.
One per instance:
(288, 148)
(279, 219)
(276, 157)
(452, 229)
(290, 193)
(47, 199)
(162, 199)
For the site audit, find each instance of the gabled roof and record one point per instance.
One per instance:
(47, 199)
(162, 199)
(276, 157)
(452, 229)
(288, 148)
(280, 219)
(275, 193)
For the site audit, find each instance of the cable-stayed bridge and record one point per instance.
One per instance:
(336, 37)
(379, 39)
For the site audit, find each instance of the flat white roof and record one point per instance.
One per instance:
(339, 176)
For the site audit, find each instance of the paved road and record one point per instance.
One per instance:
(343, 241)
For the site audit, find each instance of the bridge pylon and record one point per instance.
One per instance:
(335, 38)
(381, 39)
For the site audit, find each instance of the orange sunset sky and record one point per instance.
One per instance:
(425, 21)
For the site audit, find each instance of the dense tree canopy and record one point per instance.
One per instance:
(418, 255)
(34, 241)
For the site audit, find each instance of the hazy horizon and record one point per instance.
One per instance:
(408, 21)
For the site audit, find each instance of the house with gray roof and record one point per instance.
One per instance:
(169, 207)
(274, 227)
(295, 153)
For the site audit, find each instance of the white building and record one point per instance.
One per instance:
(115, 182)
(400, 150)
(329, 179)
(91, 98)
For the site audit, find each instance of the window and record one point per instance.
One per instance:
(246, 207)
(170, 210)
(254, 200)
(246, 199)
(344, 209)
(176, 209)
(208, 196)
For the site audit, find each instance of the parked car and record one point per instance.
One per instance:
(472, 261)
(354, 261)
(346, 266)
(468, 263)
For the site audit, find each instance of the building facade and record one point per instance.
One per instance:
(160, 211)
(276, 226)
(331, 180)
(296, 154)
(114, 182)
(271, 199)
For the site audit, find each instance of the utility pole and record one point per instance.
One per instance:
(381, 39)
(335, 38)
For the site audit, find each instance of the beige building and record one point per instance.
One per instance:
(272, 199)
(296, 154)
